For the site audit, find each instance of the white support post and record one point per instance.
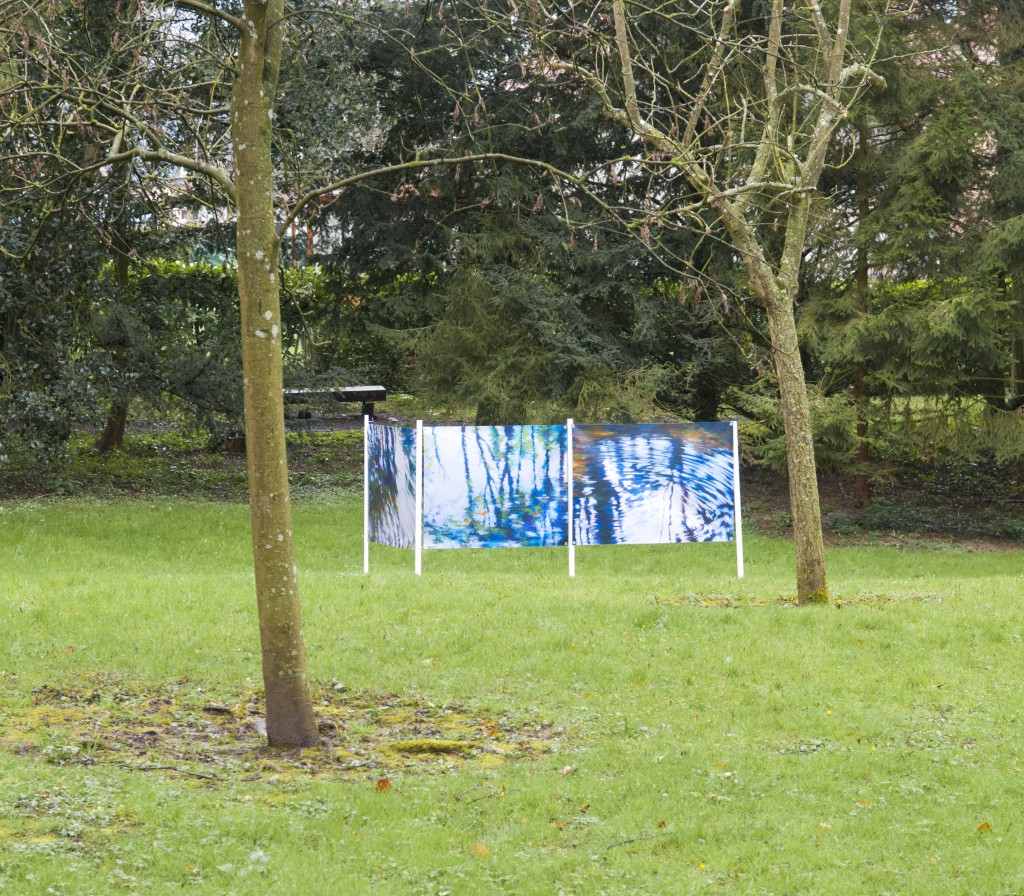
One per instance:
(366, 495)
(419, 497)
(738, 515)
(568, 480)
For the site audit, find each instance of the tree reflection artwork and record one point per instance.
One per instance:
(653, 483)
(391, 485)
(508, 486)
(494, 486)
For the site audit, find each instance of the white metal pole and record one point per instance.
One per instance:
(736, 497)
(419, 497)
(366, 495)
(568, 480)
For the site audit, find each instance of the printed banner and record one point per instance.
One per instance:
(392, 485)
(494, 486)
(653, 483)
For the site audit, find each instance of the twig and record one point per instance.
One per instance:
(170, 768)
(635, 840)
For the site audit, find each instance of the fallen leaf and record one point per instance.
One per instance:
(483, 850)
(984, 828)
(663, 823)
(584, 809)
(824, 825)
(383, 784)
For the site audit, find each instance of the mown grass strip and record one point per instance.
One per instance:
(699, 735)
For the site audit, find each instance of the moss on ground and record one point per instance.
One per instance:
(173, 731)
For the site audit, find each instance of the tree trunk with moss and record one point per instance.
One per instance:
(811, 586)
(290, 718)
(117, 418)
(777, 290)
(749, 131)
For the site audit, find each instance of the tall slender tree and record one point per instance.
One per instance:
(202, 77)
(740, 103)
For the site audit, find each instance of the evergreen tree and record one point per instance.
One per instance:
(920, 301)
(521, 295)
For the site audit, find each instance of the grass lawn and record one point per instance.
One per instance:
(653, 727)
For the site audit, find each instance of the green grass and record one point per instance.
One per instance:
(702, 735)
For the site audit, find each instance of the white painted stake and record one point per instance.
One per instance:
(568, 480)
(419, 497)
(736, 497)
(366, 495)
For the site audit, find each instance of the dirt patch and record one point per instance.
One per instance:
(713, 600)
(174, 731)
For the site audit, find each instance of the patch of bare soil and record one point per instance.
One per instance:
(175, 732)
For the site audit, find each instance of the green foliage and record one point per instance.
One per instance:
(833, 422)
(168, 454)
(49, 374)
(365, 335)
(947, 338)
(942, 431)
(485, 284)
(172, 330)
(908, 516)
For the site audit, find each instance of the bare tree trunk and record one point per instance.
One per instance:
(1016, 292)
(117, 420)
(115, 428)
(775, 159)
(861, 482)
(290, 718)
(777, 292)
(811, 586)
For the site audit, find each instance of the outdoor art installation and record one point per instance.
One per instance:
(653, 484)
(494, 486)
(391, 485)
(551, 486)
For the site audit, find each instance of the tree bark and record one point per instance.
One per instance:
(117, 419)
(290, 718)
(773, 281)
(861, 482)
(811, 585)
(777, 291)
(116, 426)
(1016, 292)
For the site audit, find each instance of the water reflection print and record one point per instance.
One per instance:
(494, 486)
(653, 484)
(392, 485)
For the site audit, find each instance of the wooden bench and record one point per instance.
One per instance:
(368, 396)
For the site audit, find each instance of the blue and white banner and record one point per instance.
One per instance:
(551, 486)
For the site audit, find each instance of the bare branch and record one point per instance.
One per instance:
(208, 9)
(626, 63)
(419, 164)
(712, 73)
